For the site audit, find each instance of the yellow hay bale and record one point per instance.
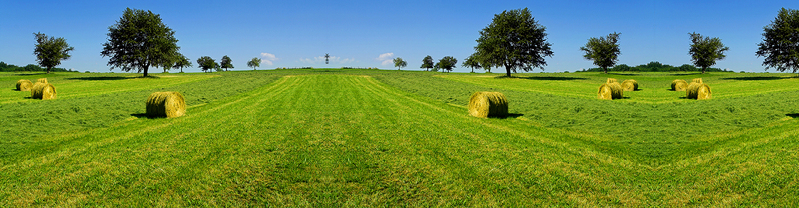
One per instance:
(679, 85)
(703, 93)
(617, 90)
(611, 80)
(629, 85)
(692, 89)
(43, 91)
(42, 80)
(697, 80)
(485, 104)
(605, 92)
(166, 104)
(24, 85)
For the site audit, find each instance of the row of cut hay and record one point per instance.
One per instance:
(166, 104)
(698, 90)
(488, 104)
(611, 90)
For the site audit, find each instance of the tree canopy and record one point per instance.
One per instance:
(705, 51)
(471, 62)
(780, 44)
(226, 63)
(139, 40)
(50, 51)
(207, 63)
(254, 62)
(427, 62)
(398, 62)
(447, 63)
(514, 40)
(603, 50)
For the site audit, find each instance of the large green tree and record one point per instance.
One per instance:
(514, 40)
(427, 63)
(207, 63)
(447, 63)
(780, 43)
(603, 50)
(138, 41)
(226, 63)
(471, 62)
(398, 62)
(705, 51)
(50, 51)
(254, 62)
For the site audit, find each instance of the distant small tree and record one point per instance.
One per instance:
(780, 44)
(182, 62)
(603, 50)
(427, 63)
(398, 62)
(255, 62)
(513, 40)
(471, 62)
(50, 51)
(447, 63)
(226, 63)
(139, 40)
(207, 63)
(705, 51)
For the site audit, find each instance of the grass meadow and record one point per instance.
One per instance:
(369, 138)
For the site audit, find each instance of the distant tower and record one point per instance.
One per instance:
(327, 58)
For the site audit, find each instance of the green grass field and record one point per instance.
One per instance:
(355, 138)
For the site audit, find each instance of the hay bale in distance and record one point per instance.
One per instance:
(679, 85)
(605, 92)
(24, 85)
(703, 92)
(44, 91)
(485, 104)
(166, 104)
(611, 80)
(697, 80)
(629, 85)
(42, 80)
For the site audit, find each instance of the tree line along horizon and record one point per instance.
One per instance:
(514, 40)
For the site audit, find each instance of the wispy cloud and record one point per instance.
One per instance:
(321, 59)
(268, 58)
(386, 59)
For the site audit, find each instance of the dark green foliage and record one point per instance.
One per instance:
(654, 67)
(399, 63)
(254, 62)
(780, 43)
(50, 51)
(225, 63)
(427, 63)
(139, 40)
(472, 62)
(705, 51)
(603, 50)
(178, 61)
(207, 63)
(4, 67)
(513, 40)
(447, 63)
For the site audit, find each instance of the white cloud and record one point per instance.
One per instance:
(268, 58)
(385, 59)
(321, 60)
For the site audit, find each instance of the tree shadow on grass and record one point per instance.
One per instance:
(542, 78)
(755, 78)
(793, 115)
(143, 115)
(510, 115)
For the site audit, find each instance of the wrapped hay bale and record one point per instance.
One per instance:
(679, 85)
(42, 80)
(43, 91)
(605, 92)
(166, 104)
(24, 85)
(703, 92)
(611, 80)
(629, 85)
(697, 80)
(485, 104)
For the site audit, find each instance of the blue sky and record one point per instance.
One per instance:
(367, 33)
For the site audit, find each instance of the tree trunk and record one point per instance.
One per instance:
(508, 70)
(145, 70)
(703, 70)
(606, 69)
(48, 69)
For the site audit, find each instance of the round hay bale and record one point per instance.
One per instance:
(617, 92)
(611, 80)
(43, 91)
(605, 92)
(697, 80)
(629, 85)
(24, 85)
(485, 104)
(692, 89)
(166, 104)
(703, 92)
(679, 85)
(42, 80)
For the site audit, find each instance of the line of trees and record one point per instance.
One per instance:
(653, 67)
(4, 67)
